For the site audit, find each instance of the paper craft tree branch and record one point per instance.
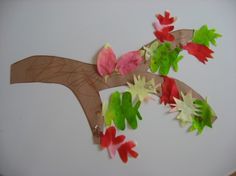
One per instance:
(86, 80)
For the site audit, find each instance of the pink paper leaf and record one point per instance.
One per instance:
(106, 61)
(128, 62)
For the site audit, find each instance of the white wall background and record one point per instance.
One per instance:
(43, 130)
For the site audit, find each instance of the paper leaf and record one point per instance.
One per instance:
(142, 88)
(129, 111)
(204, 116)
(158, 26)
(166, 19)
(148, 51)
(128, 62)
(205, 36)
(153, 47)
(163, 58)
(164, 35)
(163, 27)
(106, 61)
(127, 149)
(186, 108)
(110, 141)
(197, 124)
(201, 52)
(114, 111)
(169, 91)
(104, 108)
(120, 109)
(110, 137)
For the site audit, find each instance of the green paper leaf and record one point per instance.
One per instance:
(205, 36)
(114, 112)
(203, 116)
(204, 111)
(175, 63)
(128, 110)
(121, 108)
(197, 124)
(163, 58)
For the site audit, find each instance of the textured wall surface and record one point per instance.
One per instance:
(43, 130)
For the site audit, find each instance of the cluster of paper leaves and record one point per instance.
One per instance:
(142, 88)
(163, 57)
(199, 47)
(107, 62)
(193, 111)
(163, 26)
(115, 143)
(121, 108)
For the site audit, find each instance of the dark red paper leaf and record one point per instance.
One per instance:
(126, 149)
(201, 52)
(169, 91)
(165, 20)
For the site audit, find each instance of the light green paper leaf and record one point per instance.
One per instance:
(104, 108)
(153, 47)
(205, 36)
(163, 58)
(186, 108)
(142, 88)
(148, 51)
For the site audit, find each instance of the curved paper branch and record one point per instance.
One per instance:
(84, 81)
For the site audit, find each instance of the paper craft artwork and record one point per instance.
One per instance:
(131, 69)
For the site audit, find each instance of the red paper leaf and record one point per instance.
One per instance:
(168, 29)
(106, 61)
(164, 36)
(201, 52)
(163, 27)
(110, 137)
(127, 149)
(128, 62)
(119, 139)
(169, 91)
(165, 20)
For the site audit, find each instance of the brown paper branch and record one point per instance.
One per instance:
(84, 81)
